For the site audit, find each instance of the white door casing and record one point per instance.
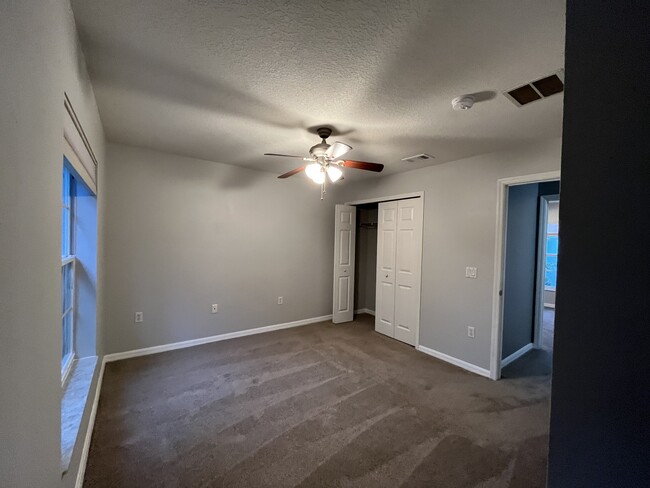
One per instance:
(386, 254)
(408, 269)
(344, 251)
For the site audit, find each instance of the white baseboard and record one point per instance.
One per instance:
(205, 340)
(549, 305)
(455, 361)
(516, 355)
(365, 310)
(89, 431)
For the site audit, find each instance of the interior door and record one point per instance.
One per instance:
(408, 265)
(386, 254)
(344, 250)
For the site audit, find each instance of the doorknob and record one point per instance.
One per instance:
(386, 276)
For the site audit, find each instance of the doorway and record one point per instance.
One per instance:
(522, 327)
(377, 263)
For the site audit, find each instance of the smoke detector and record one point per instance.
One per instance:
(464, 102)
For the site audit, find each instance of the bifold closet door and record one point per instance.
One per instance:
(344, 239)
(399, 261)
(408, 265)
(385, 292)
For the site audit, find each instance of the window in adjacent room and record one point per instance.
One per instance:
(68, 279)
(552, 242)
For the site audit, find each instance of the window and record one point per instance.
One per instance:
(67, 270)
(552, 243)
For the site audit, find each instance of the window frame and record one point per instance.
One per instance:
(547, 255)
(68, 236)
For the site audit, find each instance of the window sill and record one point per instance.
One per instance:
(73, 403)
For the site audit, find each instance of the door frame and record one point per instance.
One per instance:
(403, 196)
(503, 184)
(544, 200)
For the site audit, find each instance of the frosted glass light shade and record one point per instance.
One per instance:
(312, 170)
(334, 172)
(319, 178)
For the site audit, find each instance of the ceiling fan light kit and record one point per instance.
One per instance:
(324, 161)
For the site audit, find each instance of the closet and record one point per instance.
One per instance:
(399, 257)
(394, 231)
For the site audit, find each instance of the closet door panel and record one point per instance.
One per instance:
(386, 265)
(408, 269)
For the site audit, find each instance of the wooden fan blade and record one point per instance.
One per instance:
(292, 172)
(376, 167)
(283, 155)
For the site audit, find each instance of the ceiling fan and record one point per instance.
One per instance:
(324, 161)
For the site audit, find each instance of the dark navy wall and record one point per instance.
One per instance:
(600, 434)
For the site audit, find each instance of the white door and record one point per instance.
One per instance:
(408, 265)
(385, 293)
(344, 238)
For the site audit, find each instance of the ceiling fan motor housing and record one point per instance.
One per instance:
(319, 150)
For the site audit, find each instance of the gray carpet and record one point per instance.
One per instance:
(315, 406)
(537, 362)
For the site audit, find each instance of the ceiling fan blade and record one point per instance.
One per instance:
(283, 155)
(292, 172)
(337, 150)
(376, 167)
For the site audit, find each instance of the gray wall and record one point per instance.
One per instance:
(459, 231)
(521, 259)
(366, 260)
(40, 60)
(183, 233)
(599, 403)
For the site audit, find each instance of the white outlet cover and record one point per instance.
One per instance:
(471, 272)
(471, 332)
(139, 317)
(280, 300)
(215, 307)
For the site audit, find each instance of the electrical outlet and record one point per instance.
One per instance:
(471, 272)
(280, 300)
(471, 332)
(139, 317)
(215, 307)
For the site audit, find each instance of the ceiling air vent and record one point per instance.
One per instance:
(536, 90)
(417, 157)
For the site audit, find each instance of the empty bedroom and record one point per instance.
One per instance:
(317, 243)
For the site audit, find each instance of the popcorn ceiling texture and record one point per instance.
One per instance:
(229, 80)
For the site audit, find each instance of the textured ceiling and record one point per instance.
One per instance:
(229, 80)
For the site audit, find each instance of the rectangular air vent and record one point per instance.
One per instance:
(536, 90)
(417, 157)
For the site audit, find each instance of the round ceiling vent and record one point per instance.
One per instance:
(464, 102)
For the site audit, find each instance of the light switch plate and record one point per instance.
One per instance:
(471, 272)
(471, 332)
(139, 317)
(280, 300)
(215, 307)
